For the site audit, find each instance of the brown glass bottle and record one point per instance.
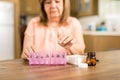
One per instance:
(88, 61)
(91, 59)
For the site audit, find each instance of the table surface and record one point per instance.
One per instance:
(108, 68)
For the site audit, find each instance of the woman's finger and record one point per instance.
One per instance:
(26, 52)
(67, 40)
(63, 38)
(26, 57)
(60, 37)
(30, 50)
(33, 48)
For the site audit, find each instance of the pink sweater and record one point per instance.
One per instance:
(46, 38)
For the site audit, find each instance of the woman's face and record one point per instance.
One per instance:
(53, 8)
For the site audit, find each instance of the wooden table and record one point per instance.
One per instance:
(108, 68)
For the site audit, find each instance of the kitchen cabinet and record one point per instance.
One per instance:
(81, 8)
(101, 42)
(29, 7)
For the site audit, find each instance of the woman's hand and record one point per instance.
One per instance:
(26, 52)
(65, 40)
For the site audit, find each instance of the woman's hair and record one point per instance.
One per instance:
(65, 14)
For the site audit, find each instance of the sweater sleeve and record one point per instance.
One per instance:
(28, 36)
(78, 46)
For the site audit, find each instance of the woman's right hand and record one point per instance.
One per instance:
(26, 52)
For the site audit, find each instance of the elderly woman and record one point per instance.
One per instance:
(54, 30)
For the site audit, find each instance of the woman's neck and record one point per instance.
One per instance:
(54, 19)
(53, 24)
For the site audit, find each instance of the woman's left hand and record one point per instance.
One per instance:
(65, 40)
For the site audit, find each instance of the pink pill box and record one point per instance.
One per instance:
(47, 58)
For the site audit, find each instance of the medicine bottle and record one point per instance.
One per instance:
(91, 59)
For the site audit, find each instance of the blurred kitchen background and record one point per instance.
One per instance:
(100, 20)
